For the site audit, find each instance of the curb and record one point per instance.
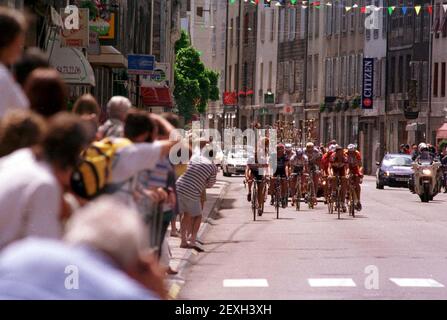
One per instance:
(175, 288)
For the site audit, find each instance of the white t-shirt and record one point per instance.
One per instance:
(30, 198)
(11, 95)
(128, 162)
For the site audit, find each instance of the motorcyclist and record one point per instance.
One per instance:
(424, 154)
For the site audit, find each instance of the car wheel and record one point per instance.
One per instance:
(225, 174)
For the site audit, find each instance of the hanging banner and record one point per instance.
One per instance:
(76, 37)
(368, 83)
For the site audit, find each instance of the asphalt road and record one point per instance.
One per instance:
(396, 248)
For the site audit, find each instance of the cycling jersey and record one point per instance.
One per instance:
(298, 163)
(354, 162)
(338, 164)
(253, 164)
(325, 162)
(313, 157)
(281, 163)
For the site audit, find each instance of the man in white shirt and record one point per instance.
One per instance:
(33, 180)
(12, 39)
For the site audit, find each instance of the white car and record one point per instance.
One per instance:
(234, 162)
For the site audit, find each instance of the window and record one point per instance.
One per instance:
(361, 19)
(302, 23)
(238, 31)
(337, 11)
(316, 63)
(281, 76)
(230, 77)
(270, 75)
(246, 27)
(262, 31)
(437, 20)
(310, 25)
(443, 79)
(282, 22)
(292, 24)
(199, 11)
(344, 19)
(309, 72)
(376, 31)
(392, 74)
(231, 32)
(292, 76)
(352, 19)
(261, 76)
(273, 26)
(317, 21)
(236, 77)
(435, 79)
(327, 20)
(443, 26)
(286, 75)
(400, 78)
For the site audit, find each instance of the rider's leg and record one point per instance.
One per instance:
(344, 187)
(358, 190)
(261, 194)
(249, 179)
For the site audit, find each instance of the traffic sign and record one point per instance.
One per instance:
(140, 64)
(288, 109)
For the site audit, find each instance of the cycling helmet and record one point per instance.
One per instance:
(288, 146)
(332, 147)
(338, 147)
(299, 152)
(310, 145)
(422, 146)
(352, 147)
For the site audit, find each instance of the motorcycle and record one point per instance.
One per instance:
(427, 180)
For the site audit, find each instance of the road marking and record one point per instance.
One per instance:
(331, 282)
(417, 282)
(247, 283)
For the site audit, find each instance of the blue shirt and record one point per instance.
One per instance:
(35, 269)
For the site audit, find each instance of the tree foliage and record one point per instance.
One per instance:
(195, 85)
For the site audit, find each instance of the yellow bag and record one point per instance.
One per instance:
(94, 171)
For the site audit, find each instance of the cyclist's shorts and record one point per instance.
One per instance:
(280, 173)
(256, 174)
(298, 170)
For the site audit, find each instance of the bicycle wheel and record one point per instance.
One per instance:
(278, 198)
(298, 195)
(310, 194)
(254, 198)
(351, 202)
(330, 204)
(338, 201)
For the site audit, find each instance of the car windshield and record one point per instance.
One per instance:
(397, 161)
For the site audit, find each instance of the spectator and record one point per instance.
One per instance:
(31, 200)
(46, 92)
(117, 110)
(130, 159)
(105, 246)
(88, 109)
(32, 59)
(20, 129)
(200, 174)
(12, 39)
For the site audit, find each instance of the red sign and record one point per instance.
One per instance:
(288, 110)
(230, 98)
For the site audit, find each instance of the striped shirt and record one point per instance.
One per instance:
(200, 174)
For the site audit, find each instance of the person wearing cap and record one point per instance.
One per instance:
(282, 163)
(338, 167)
(355, 167)
(298, 166)
(314, 156)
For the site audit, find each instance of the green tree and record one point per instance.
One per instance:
(195, 85)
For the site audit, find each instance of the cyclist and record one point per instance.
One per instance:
(355, 167)
(257, 166)
(282, 162)
(298, 166)
(325, 170)
(314, 157)
(338, 166)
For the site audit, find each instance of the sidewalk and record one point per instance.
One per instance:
(181, 257)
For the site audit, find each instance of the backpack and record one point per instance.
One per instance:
(94, 171)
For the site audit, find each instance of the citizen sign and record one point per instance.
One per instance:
(368, 83)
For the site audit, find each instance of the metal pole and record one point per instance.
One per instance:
(430, 74)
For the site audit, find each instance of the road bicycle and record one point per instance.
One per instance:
(311, 193)
(352, 196)
(296, 197)
(255, 207)
(278, 199)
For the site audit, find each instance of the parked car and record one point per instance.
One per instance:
(234, 162)
(395, 170)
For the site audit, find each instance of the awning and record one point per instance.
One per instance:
(441, 133)
(156, 97)
(71, 64)
(109, 57)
